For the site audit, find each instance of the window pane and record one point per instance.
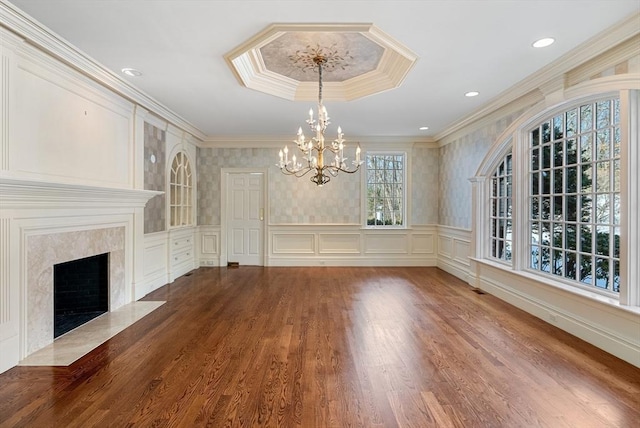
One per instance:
(586, 118)
(558, 153)
(586, 178)
(603, 144)
(535, 208)
(570, 265)
(571, 209)
(572, 122)
(557, 180)
(572, 152)
(557, 263)
(602, 273)
(586, 234)
(535, 159)
(602, 177)
(535, 257)
(535, 137)
(586, 147)
(572, 179)
(585, 268)
(546, 156)
(570, 242)
(603, 114)
(546, 132)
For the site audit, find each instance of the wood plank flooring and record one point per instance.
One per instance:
(329, 347)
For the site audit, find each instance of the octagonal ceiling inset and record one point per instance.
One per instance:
(369, 61)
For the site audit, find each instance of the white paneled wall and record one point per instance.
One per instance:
(454, 245)
(333, 245)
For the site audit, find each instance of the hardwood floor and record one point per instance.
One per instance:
(324, 347)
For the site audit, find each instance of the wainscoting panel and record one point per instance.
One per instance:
(423, 243)
(454, 246)
(208, 252)
(339, 243)
(293, 243)
(155, 262)
(391, 242)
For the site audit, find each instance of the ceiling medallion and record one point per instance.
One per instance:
(330, 58)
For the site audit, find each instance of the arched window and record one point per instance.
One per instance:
(181, 191)
(574, 196)
(500, 211)
(556, 198)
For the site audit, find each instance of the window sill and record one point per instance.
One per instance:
(593, 296)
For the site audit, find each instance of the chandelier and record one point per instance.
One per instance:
(322, 160)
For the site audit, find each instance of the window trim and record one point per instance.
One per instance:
(405, 189)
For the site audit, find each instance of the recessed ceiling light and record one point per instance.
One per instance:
(472, 94)
(424, 128)
(131, 72)
(542, 43)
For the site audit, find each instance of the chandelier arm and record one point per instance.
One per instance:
(335, 169)
(298, 173)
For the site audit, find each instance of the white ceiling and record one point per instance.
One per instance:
(179, 46)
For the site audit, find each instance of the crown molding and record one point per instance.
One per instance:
(49, 42)
(588, 50)
(622, 52)
(273, 142)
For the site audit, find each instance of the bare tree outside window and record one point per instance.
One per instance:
(385, 189)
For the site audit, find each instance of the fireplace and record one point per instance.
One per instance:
(45, 252)
(80, 292)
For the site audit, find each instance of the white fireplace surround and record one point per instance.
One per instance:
(45, 223)
(46, 250)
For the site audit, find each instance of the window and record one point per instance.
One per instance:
(500, 214)
(385, 189)
(574, 202)
(180, 187)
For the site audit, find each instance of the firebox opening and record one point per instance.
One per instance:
(80, 292)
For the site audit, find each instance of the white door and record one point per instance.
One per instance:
(245, 218)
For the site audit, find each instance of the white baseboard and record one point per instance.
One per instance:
(585, 329)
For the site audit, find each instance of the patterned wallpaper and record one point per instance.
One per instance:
(154, 178)
(291, 200)
(424, 185)
(459, 161)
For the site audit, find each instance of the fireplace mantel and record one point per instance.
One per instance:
(24, 194)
